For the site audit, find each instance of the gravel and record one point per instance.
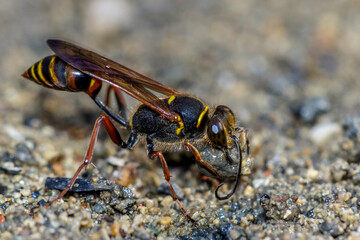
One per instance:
(288, 71)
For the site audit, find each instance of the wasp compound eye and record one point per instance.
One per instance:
(220, 126)
(236, 141)
(216, 133)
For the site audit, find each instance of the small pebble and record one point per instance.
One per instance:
(2, 218)
(35, 194)
(13, 133)
(115, 228)
(3, 189)
(98, 208)
(321, 132)
(309, 109)
(165, 220)
(250, 217)
(41, 202)
(196, 216)
(125, 225)
(249, 191)
(16, 195)
(339, 169)
(287, 214)
(25, 192)
(312, 173)
(165, 189)
(138, 220)
(143, 210)
(216, 221)
(235, 234)
(95, 179)
(149, 203)
(86, 222)
(10, 167)
(344, 196)
(166, 201)
(154, 210)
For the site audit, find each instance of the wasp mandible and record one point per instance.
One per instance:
(177, 121)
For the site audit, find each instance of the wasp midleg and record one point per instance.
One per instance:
(120, 100)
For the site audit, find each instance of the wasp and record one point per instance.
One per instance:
(176, 121)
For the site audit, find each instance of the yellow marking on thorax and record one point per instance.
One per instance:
(180, 122)
(33, 74)
(181, 127)
(52, 71)
(202, 114)
(39, 71)
(172, 98)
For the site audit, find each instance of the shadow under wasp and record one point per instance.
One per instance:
(177, 121)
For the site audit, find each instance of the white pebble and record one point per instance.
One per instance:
(320, 133)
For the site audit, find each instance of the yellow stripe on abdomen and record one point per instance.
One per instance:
(52, 71)
(41, 75)
(33, 75)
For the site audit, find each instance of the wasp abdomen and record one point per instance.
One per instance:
(52, 72)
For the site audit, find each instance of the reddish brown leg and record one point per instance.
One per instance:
(158, 154)
(193, 149)
(115, 137)
(120, 100)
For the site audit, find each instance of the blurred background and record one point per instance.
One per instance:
(289, 71)
(230, 50)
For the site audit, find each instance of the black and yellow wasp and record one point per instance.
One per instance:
(177, 121)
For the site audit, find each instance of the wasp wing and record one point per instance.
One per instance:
(115, 74)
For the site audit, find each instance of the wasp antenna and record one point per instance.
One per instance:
(236, 140)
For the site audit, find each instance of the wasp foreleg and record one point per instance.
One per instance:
(193, 149)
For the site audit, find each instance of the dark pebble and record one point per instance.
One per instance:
(165, 189)
(81, 184)
(33, 122)
(309, 109)
(3, 207)
(3, 189)
(330, 227)
(35, 194)
(98, 208)
(108, 219)
(41, 202)
(264, 201)
(223, 232)
(351, 127)
(23, 153)
(310, 214)
(10, 168)
(125, 206)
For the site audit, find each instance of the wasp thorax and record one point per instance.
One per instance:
(220, 126)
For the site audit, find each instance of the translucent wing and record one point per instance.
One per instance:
(106, 70)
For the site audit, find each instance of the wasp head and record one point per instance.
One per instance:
(220, 127)
(220, 131)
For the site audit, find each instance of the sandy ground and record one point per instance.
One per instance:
(288, 71)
